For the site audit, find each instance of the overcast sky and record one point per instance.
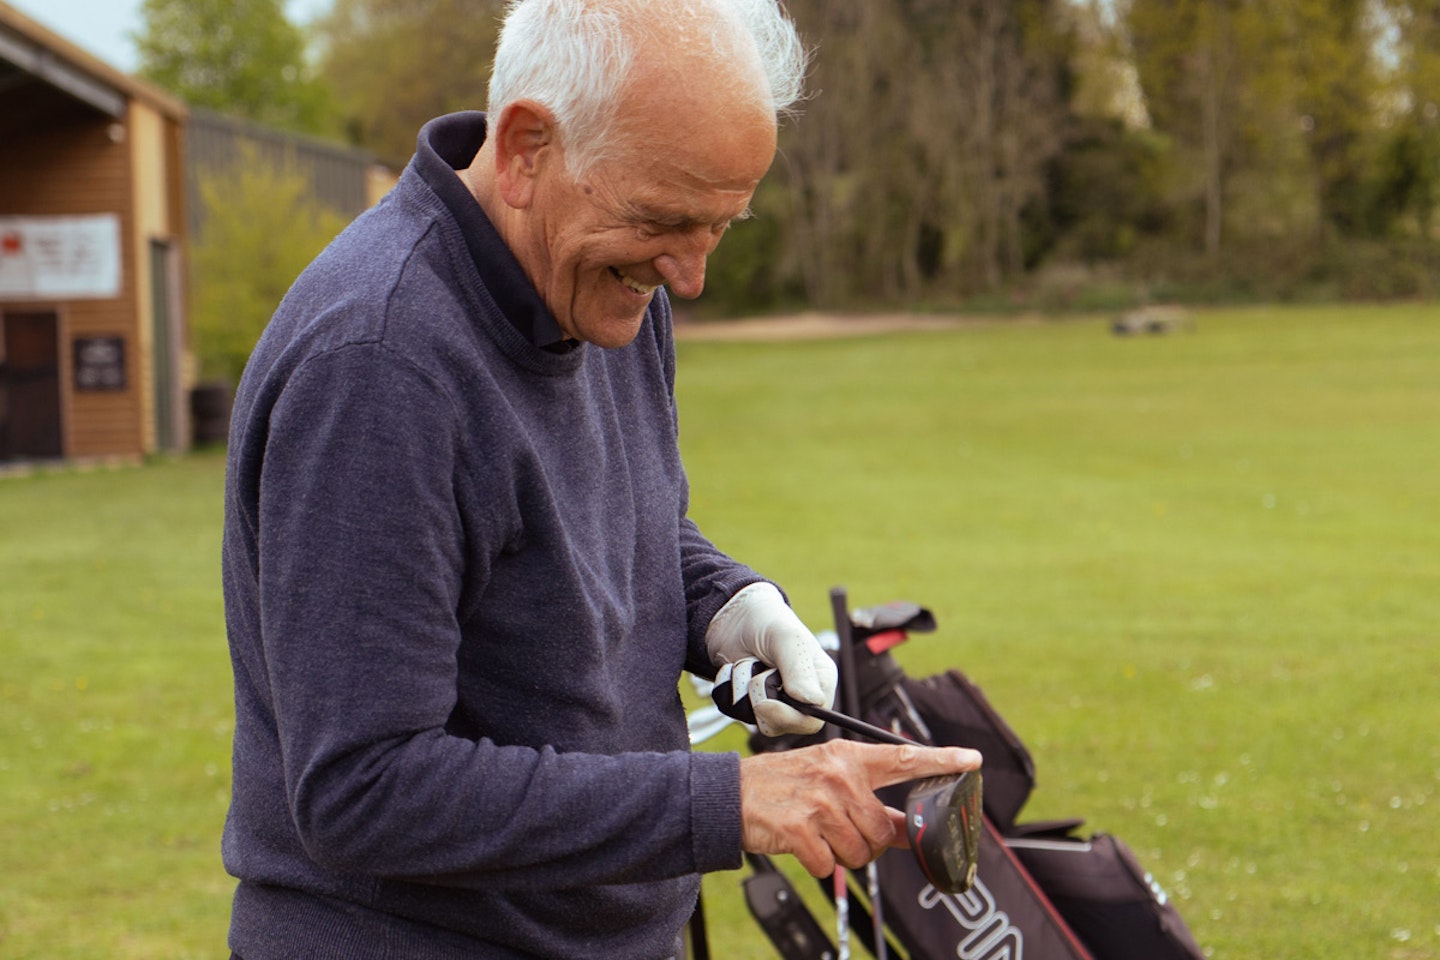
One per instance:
(103, 27)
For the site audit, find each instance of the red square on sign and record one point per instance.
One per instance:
(11, 243)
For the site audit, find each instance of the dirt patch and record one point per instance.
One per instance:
(814, 326)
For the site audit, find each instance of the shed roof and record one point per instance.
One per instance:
(31, 54)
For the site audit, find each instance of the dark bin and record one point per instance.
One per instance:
(210, 413)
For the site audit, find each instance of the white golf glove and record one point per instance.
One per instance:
(757, 622)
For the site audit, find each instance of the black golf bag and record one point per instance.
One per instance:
(1043, 891)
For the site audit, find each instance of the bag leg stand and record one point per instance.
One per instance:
(699, 945)
(850, 704)
(872, 877)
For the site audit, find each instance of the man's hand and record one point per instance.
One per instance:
(819, 802)
(757, 622)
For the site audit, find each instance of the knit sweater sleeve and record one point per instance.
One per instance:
(711, 576)
(358, 592)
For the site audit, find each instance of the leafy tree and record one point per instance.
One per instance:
(238, 57)
(1406, 198)
(1105, 190)
(1271, 108)
(1106, 185)
(926, 141)
(261, 229)
(1191, 57)
(394, 64)
(1330, 54)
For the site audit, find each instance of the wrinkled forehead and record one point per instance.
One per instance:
(695, 135)
(695, 83)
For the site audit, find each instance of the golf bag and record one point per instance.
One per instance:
(1043, 892)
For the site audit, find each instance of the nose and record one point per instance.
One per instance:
(683, 266)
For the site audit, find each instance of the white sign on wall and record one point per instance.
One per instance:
(60, 258)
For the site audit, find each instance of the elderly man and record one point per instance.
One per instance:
(460, 581)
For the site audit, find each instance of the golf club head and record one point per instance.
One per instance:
(942, 814)
(943, 817)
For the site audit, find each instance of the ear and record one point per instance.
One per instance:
(525, 141)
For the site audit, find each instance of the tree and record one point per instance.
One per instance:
(238, 57)
(1330, 55)
(394, 64)
(1191, 56)
(927, 138)
(1105, 190)
(1106, 183)
(261, 229)
(1273, 103)
(1407, 194)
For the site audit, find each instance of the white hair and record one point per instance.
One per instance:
(574, 56)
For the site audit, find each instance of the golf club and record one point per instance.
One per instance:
(942, 814)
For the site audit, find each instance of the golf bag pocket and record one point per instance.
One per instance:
(1116, 909)
(777, 907)
(951, 711)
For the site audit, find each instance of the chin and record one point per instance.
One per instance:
(612, 332)
(616, 333)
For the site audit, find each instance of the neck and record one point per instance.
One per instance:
(479, 179)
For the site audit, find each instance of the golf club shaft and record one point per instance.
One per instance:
(845, 722)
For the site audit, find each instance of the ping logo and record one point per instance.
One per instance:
(990, 934)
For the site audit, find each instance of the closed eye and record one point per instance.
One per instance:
(652, 225)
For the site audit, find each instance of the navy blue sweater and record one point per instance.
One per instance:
(460, 588)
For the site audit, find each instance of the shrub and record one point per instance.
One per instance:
(261, 227)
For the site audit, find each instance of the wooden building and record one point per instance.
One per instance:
(92, 245)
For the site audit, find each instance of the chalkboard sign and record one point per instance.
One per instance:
(99, 363)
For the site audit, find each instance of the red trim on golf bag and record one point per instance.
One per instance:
(1049, 883)
(1042, 893)
(1004, 916)
(1106, 897)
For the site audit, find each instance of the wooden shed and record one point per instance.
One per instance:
(92, 248)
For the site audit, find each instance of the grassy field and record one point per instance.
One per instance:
(115, 714)
(1199, 573)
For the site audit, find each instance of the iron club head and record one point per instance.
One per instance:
(942, 816)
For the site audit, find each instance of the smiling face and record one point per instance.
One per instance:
(648, 214)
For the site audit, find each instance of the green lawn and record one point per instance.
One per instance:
(1199, 573)
(115, 714)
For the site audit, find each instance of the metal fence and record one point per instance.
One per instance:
(341, 178)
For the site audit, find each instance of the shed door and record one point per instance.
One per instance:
(30, 386)
(163, 338)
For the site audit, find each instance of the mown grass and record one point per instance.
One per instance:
(115, 714)
(1199, 573)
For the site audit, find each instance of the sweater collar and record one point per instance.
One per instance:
(450, 143)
